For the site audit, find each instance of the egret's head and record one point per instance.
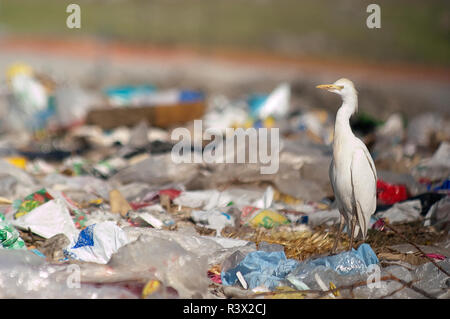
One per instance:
(343, 87)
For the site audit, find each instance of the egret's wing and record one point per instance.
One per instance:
(331, 175)
(364, 188)
(333, 181)
(369, 158)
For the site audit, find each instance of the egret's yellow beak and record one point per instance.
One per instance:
(330, 87)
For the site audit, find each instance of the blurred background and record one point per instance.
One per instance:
(412, 31)
(238, 47)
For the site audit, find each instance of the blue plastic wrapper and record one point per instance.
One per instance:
(97, 242)
(261, 268)
(268, 269)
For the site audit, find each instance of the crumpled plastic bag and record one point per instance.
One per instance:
(439, 215)
(404, 212)
(154, 215)
(215, 249)
(277, 103)
(86, 184)
(349, 261)
(271, 269)
(156, 170)
(329, 217)
(240, 197)
(207, 199)
(214, 219)
(48, 219)
(436, 167)
(14, 181)
(96, 243)
(149, 257)
(351, 264)
(23, 274)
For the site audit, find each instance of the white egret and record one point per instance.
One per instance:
(352, 172)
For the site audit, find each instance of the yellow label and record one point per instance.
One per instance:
(96, 201)
(268, 219)
(150, 288)
(20, 162)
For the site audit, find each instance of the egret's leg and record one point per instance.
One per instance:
(341, 227)
(353, 222)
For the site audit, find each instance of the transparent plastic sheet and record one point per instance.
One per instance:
(21, 182)
(167, 261)
(439, 215)
(437, 167)
(8, 185)
(215, 249)
(300, 171)
(403, 212)
(88, 185)
(157, 170)
(288, 179)
(178, 260)
(341, 269)
(421, 127)
(432, 279)
(427, 278)
(134, 191)
(329, 217)
(72, 104)
(154, 215)
(23, 274)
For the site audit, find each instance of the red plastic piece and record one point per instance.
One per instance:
(390, 194)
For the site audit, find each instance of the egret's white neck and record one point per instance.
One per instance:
(348, 107)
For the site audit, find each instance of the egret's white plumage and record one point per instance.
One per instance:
(352, 172)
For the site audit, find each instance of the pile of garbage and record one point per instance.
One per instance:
(94, 204)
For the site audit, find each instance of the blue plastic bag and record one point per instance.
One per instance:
(97, 242)
(270, 268)
(444, 186)
(348, 262)
(261, 268)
